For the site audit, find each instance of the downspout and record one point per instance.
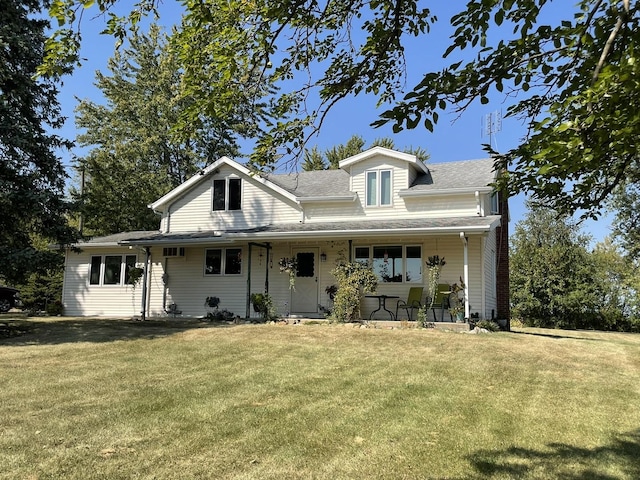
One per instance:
(465, 243)
(145, 275)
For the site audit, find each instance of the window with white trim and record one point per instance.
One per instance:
(495, 206)
(111, 269)
(227, 194)
(378, 188)
(392, 263)
(223, 261)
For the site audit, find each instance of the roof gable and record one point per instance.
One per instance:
(410, 159)
(183, 188)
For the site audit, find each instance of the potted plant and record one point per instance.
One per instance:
(290, 267)
(331, 290)
(263, 304)
(457, 301)
(212, 302)
(434, 264)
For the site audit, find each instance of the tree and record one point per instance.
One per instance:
(573, 80)
(619, 277)
(626, 223)
(31, 175)
(137, 154)
(316, 160)
(552, 277)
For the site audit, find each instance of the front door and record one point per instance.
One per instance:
(304, 298)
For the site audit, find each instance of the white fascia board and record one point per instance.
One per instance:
(173, 241)
(339, 198)
(198, 177)
(443, 191)
(322, 234)
(407, 157)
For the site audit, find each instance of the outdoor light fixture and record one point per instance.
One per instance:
(323, 257)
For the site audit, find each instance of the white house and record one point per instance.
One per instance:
(223, 232)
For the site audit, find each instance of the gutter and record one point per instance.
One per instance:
(442, 191)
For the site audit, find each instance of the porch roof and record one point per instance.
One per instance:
(320, 230)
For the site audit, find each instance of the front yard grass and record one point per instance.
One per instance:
(84, 399)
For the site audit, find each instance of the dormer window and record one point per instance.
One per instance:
(378, 188)
(227, 194)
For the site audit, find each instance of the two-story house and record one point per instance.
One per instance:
(224, 231)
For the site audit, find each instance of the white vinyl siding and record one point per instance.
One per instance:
(260, 206)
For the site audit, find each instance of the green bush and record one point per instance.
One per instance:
(353, 279)
(488, 325)
(54, 308)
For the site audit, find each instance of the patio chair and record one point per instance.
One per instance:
(441, 301)
(414, 301)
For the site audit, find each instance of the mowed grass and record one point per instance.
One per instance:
(83, 399)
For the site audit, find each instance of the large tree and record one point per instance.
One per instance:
(136, 152)
(574, 79)
(552, 278)
(32, 178)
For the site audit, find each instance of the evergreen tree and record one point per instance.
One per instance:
(32, 177)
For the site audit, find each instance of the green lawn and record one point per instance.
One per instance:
(86, 399)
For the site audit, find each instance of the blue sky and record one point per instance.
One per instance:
(454, 137)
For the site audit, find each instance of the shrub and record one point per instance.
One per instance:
(488, 325)
(353, 279)
(54, 308)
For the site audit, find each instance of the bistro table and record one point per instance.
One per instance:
(382, 304)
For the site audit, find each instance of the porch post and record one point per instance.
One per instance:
(145, 274)
(248, 310)
(465, 244)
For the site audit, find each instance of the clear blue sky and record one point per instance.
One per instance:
(454, 138)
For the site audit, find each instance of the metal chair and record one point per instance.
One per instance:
(441, 301)
(414, 301)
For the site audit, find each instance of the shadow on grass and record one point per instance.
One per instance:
(564, 461)
(97, 330)
(559, 335)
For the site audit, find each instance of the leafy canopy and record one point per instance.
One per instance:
(573, 80)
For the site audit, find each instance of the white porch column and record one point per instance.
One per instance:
(465, 244)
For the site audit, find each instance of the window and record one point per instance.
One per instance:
(219, 260)
(495, 207)
(378, 188)
(111, 269)
(227, 194)
(393, 263)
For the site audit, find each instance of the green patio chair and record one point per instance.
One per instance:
(414, 301)
(441, 301)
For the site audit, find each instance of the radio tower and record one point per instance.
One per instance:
(492, 124)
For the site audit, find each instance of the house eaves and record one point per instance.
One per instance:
(407, 193)
(327, 230)
(407, 157)
(335, 199)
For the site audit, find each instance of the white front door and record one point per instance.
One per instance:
(304, 298)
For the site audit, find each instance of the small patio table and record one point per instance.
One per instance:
(382, 304)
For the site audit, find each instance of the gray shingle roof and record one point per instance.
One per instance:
(462, 174)
(318, 183)
(331, 229)
(466, 174)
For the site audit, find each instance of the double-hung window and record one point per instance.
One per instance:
(111, 269)
(223, 261)
(378, 188)
(227, 194)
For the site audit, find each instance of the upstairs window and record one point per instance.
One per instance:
(378, 188)
(227, 194)
(495, 205)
